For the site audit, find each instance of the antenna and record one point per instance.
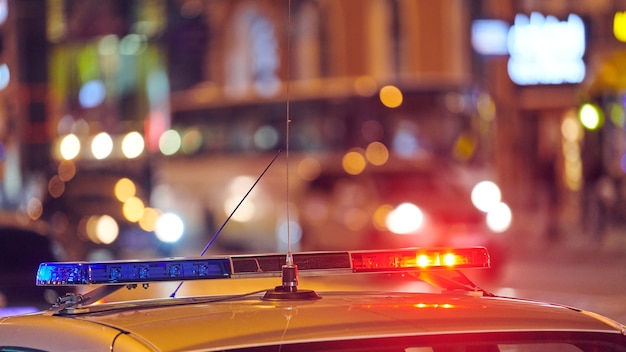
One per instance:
(231, 215)
(289, 288)
(287, 123)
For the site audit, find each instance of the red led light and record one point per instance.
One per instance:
(420, 259)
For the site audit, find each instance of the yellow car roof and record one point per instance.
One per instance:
(223, 322)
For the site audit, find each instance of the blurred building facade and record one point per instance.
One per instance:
(574, 168)
(83, 68)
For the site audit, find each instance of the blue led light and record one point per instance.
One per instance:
(127, 272)
(61, 274)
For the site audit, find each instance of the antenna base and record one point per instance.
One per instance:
(289, 288)
(280, 293)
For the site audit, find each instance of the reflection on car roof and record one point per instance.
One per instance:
(229, 323)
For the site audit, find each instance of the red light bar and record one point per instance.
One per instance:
(420, 259)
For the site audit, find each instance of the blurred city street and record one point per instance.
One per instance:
(581, 275)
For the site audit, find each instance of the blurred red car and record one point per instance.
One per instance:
(404, 207)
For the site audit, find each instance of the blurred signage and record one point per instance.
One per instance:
(489, 37)
(544, 50)
(619, 26)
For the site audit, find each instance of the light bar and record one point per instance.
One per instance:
(309, 264)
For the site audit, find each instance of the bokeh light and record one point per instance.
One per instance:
(92, 94)
(456, 102)
(102, 145)
(289, 232)
(149, 219)
(309, 169)
(572, 134)
(133, 209)
(241, 184)
(590, 116)
(4, 11)
(619, 26)
(66, 170)
(5, 76)
(90, 225)
(499, 217)
(169, 228)
(238, 188)
(464, 147)
(618, 115)
(34, 208)
(406, 218)
(485, 195)
(56, 186)
(377, 153)
(486, 106)
(379, 219)
(170, 142)
(405, 144)
(133, 44)
(353, 162)
(124, 189)
(265, 137)
(69, 147)
(571, 130)
(243, 214)
(132, 145)
(106, 229)
(108, 45)
(191, 141)
(391, 96)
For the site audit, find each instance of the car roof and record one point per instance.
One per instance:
(283, 314)
(240, 321)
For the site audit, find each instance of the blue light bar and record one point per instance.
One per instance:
(309, 264)
(127, 272)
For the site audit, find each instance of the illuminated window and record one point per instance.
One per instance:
(308, 43)
(253, 60)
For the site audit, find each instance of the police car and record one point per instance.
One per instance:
(291, 316)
